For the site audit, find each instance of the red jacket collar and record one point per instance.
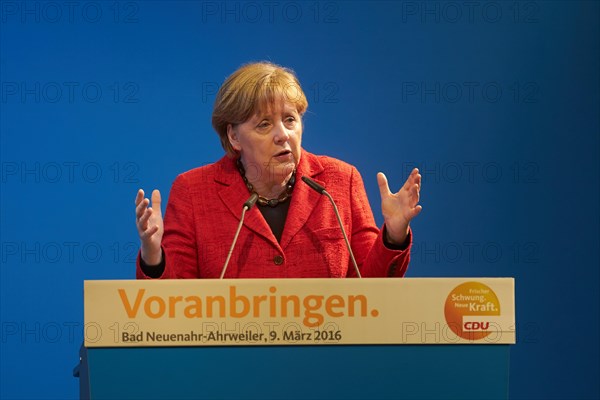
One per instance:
(233, 193)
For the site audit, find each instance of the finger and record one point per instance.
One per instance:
(413, 213)
(143, 221)
(417, 192)
(416, 211)
(413, 180)
(418, 177)
(413, 195)
(141, 208)
(409, 181)
(414, 174)
(147, 234)
(411, 202)
(139, 197)
(156, 200)
(384, 189)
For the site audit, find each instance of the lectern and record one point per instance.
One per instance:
(417, 338)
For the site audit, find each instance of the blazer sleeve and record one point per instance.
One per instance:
(179, 240)
(374, 259)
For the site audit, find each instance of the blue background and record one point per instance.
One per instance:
(496, 102)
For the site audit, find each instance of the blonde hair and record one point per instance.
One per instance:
(252, 89)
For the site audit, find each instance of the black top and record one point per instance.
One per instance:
(275, 217)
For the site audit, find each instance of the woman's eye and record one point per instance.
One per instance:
(263, 125)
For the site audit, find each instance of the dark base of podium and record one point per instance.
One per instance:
(296, 372)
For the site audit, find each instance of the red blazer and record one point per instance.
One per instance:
(205, 206)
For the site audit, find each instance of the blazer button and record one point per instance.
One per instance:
(278, 259)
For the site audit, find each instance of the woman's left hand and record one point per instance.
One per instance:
(399, 208)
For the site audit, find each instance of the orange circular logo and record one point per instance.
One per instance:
(470, 310)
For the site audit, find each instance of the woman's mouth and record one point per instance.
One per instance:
(284, 155)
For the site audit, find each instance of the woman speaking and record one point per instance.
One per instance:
(293, 231)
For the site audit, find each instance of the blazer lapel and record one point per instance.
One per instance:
(304, 199)
(234, 194)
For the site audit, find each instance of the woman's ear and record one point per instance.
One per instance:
(233, 138)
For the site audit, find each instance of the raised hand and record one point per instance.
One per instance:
(399, 208)
(150, 227)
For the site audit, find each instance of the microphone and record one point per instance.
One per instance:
(247, 205)
(321, 190)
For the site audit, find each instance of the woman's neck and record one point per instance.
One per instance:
(270, 189)
(271, 186)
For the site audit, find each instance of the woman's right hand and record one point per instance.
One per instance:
(150, 227)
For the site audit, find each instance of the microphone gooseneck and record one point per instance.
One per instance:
(321, 190)
(247, 205)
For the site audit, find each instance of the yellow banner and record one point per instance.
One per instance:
(299, 311)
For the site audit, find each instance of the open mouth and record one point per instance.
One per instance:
(284, 156)
(283, 153)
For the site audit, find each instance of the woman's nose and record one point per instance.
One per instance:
(282, 135)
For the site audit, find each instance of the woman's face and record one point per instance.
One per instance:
(269, 143)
